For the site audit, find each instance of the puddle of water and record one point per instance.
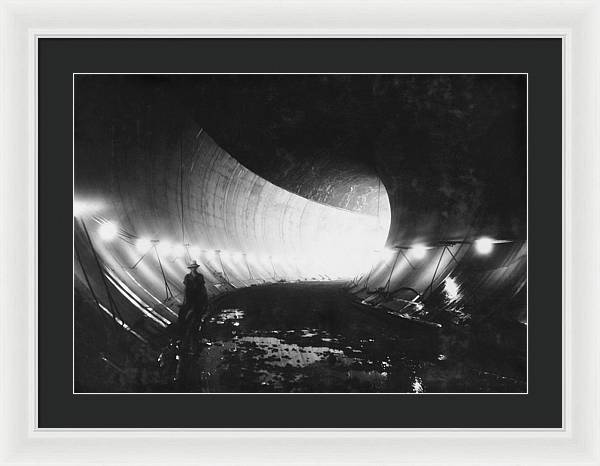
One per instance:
(326, 348)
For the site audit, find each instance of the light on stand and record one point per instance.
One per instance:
(484, 245)
(419, 251)
(108, 231)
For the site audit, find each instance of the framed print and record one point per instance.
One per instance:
(293, 283)
(357, 241)
(234, 239)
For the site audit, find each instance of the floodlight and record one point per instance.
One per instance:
(108, 231)
(419, 251)
(484, 245)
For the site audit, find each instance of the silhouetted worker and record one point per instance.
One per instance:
(191, 313)
(195, 299)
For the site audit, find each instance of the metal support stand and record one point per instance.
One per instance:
(248, 266)
(406, 258)
(218, 251)
(387, 285)
(111, 302)
(141, 258)
(430, 287)
(168, 292)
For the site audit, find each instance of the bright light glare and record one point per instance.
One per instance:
(484, 245)
(108, 231)
(178, 250)
(419, 251)
(451, 289)
(387, 254)
(143, 244)
(164, 248)
(85, 207)
(346, 253)
(79, 208)
(195, 252)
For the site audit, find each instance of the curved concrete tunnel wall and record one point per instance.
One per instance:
(199, 202)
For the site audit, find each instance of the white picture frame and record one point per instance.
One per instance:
(577, 22)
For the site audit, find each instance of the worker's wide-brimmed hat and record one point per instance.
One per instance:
(193, 265)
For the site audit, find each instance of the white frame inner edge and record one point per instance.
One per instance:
(576, 21)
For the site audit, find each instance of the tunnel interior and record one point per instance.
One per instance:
(381, 219)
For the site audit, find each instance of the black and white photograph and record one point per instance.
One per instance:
(300, 233)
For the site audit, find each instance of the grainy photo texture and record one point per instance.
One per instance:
(300, 233)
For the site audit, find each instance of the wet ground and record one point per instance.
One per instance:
(311, 337)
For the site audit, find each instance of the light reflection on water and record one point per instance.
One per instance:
(417, 385)
(333, 348)
(452, 290)
(289, 354)
(308, 351)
